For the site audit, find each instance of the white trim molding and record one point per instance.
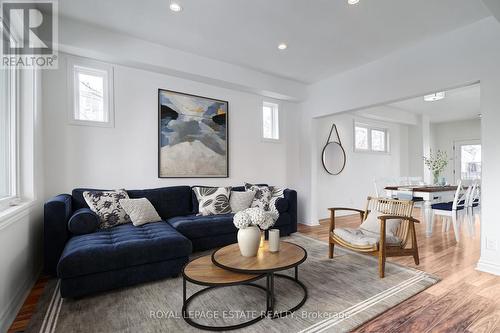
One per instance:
(488, 267)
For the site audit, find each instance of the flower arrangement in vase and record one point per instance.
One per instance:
(251, 222)
(436, 163)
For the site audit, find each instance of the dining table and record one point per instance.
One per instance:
(427, 194)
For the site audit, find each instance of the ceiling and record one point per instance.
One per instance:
(324, 37)
(459, 104)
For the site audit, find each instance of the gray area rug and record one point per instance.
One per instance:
(344, 293)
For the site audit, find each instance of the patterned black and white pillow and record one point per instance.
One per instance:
(263, 195)
(106, 204)
(213, 200)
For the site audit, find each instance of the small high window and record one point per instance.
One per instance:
(91, 91)
(370, 139)
(270, 121)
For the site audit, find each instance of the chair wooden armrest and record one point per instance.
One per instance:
(394, 217)
(344, 208)
(334, 209)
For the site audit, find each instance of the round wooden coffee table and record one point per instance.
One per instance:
(289, 256)
(227, 267)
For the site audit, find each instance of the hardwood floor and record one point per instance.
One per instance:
(464, 301)
(29, 306)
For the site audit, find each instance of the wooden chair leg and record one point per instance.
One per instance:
(331, 248)
(381, 250)
(381, 264)
(414, 244)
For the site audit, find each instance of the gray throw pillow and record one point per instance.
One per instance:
(141, 211)
(240, 200)
(106, 204)
(213, 200)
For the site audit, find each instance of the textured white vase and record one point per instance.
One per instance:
(249, 240)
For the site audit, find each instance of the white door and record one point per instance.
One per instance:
(467, 160)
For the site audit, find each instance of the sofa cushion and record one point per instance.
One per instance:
(193, 226)
(83, 221)
(122, 246)
(281, 205)
(140, 211)
(213, 200)
(106, 204)
(240, 200)
(168, 201)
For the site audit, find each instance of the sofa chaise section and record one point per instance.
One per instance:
(121, 256)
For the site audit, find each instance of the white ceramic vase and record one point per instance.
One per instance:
(249, 241)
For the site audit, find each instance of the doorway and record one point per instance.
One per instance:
(467, 166)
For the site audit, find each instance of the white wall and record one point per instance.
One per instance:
(126, 156)
(467, 55)
(445, 135)
(95, 42)
(351, 187)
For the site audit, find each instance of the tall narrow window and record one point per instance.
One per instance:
(8, 136)
(92, 102)
(270, 121)
(361, 138)
(378, 140)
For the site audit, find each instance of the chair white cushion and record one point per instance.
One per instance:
(372, 224)
(360, 237)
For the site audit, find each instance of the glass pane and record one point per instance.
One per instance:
(378, 140)
(361, 137)
(267, 122)
(470, 161)
(4, 135)
(90, 99)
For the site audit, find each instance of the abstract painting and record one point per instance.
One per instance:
(193, 136)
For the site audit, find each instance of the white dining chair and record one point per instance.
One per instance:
(452, 211)
(380, 184)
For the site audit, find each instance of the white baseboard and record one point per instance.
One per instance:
(8, 315)
(310, 224)
(488, 267)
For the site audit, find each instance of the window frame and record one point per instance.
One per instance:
(275, 123)
(13, 171)
(96, 68)
(371, 128)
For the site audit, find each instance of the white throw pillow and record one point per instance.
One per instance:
(107, 206)
(213, 200)
(240, 200)
(372, 224)
(141, 211)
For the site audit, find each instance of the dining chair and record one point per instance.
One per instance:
(381, 183)
(451, 210)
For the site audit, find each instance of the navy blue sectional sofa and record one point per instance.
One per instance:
(126, 255)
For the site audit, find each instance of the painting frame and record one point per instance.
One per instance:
(159, 164)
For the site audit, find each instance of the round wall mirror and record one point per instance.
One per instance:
(333, 158)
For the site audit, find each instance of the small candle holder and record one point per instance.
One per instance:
(274, 240)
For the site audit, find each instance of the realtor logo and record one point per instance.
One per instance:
(29, 33)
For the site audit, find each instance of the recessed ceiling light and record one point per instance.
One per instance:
(352, 2)
(282, 46)
(175, 7)
(434, 97)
